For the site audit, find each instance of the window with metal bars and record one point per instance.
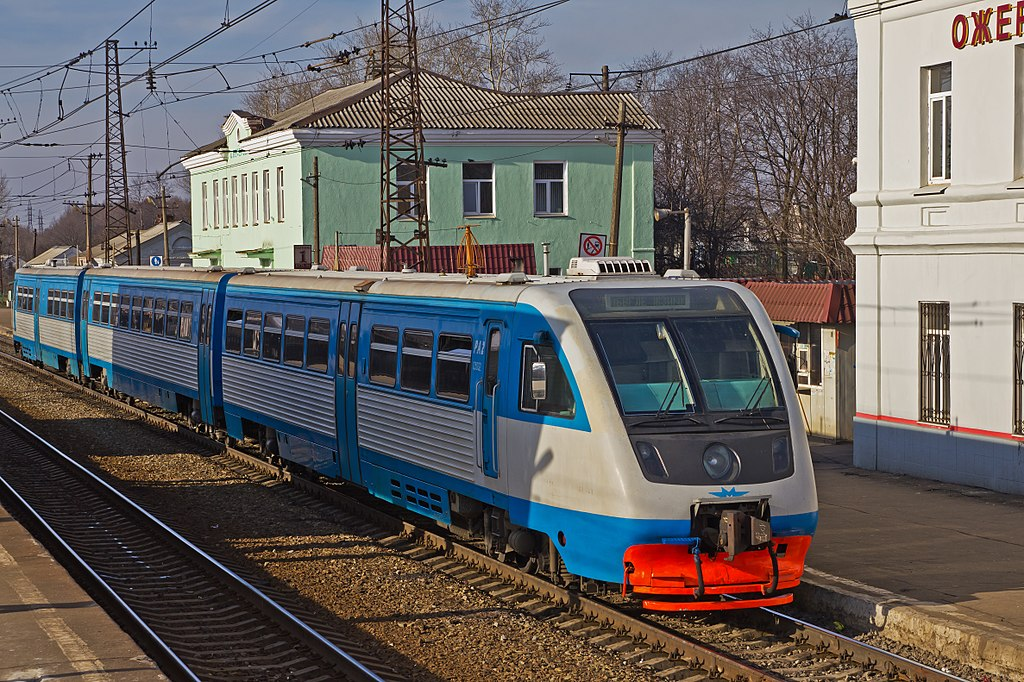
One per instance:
(934, 362)
(1018, 368)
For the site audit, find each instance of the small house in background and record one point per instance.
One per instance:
(823, 355)
(56, 255)
(179, 238)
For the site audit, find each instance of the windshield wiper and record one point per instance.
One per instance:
(752, 414)
(669, 419)
(755, 397)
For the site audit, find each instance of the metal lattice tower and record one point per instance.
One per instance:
(116, 215)
(403, 170)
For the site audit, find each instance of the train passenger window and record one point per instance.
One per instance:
(417, 357)
(272, 336)
(115, 303)
(124, 313)
(147, 315)
(454, 365)
(105, 309)
(69, 299)
(251, 339)
(97, 300)
(158, 317)
(353, 349)
(318, 344)
(342, 340)
(185, 323)
(294, 333)
(205, 324)
(49, 302)
(136, 313)
(233, 332)
(383, 355)
(558, 400)
(171, 328)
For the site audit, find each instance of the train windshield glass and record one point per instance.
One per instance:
(679, 350)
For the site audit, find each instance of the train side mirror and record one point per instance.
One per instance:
(539, 381)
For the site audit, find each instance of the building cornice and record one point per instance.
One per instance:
(930, 241)
(949, 194)
(201, 160)
(313, 137)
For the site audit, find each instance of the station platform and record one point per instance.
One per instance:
(936, 565)
(50, 628)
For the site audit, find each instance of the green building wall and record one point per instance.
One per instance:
(350, 199)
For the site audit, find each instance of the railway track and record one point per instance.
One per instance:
(194, 616)
(762, 645)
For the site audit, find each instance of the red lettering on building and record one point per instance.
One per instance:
(1003, 21)
(960, 31)
(982, 34)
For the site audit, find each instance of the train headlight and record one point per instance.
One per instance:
(721, 463)
(650, 460)
(780, 454)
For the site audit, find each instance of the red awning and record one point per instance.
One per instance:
(822, 302)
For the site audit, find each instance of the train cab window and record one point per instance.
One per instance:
(171, 327)
(124, 312)
(185, 321)
(454, 365)
(233, 332)
(97, 301)
(383, 355)
(294, 338)
(272, 336)
(136, 313)
(544, 387)
(147, 315)
(318, 344)
(158, 317)
(251, 338)
(417, 357)
(353, 349)
(342, 340)
(105, 309)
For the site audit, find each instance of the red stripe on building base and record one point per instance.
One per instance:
(940, 427)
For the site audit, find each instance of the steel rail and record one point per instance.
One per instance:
(717, 663)
(311, 637)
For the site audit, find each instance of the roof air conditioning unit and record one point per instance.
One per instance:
(606, 265)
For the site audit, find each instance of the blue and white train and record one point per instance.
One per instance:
(609, 425)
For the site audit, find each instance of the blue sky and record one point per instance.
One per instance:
(583, 35)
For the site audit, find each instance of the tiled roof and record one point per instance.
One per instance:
(448, 103)
(822, 302)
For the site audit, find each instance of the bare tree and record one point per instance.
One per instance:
(509, 50)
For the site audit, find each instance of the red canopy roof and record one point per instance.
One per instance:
(823, 302)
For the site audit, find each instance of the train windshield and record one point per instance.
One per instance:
(679, 350)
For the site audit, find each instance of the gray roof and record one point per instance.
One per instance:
(57, 252)
(157, 231)
(451, 104)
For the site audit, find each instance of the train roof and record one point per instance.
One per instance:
(50, 270)
(173, 274)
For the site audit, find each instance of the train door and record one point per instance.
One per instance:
(348, 355)
(205, 367)
(488, 399)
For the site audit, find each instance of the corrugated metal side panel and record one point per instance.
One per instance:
(155, 356)
(58, 334)
(24, 325)
(434, 436)
(497, 258)
(101, 343)
(300, 398)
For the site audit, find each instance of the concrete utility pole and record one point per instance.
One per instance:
(17, 244)
(315, 181)
(687, 239)
(605, 84)
(337, 250)
(620, 145)
(163, 217)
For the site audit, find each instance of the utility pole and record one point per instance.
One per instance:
(17, 244)
(605, 85)
(403, 168)
(163, 217)
(687, 239)
(88, 209)
(621, 126)
(116, 207)
(315, 181)
(337, 250)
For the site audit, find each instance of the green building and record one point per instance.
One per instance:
(526, 168)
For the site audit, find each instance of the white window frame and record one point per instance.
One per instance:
(206, 207)
(940, 103)
(245, 199)
(234, 201)
(225, 202)
(280, 194)
(255, 197)
(216, 204)
(547, 182)
(266, 195)
(478, 189)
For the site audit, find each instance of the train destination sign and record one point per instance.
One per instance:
(992, 24)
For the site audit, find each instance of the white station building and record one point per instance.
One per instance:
(940, 240)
